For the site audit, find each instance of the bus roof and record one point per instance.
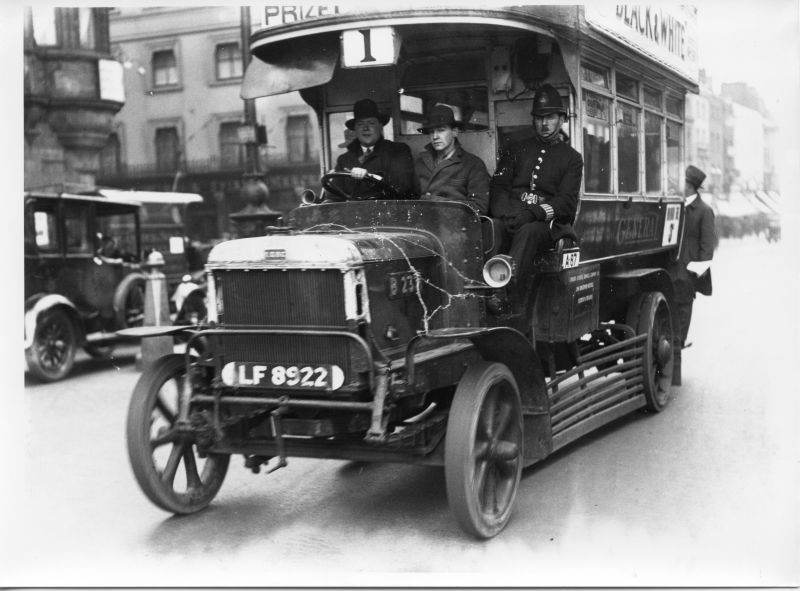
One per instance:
(662, 37)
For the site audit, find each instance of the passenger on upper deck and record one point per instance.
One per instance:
(447, 171)
(536, 186)
(370, 152)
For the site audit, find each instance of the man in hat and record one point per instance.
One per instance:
(535, 189)
(447, 171)
(370, 152)
(692, 272)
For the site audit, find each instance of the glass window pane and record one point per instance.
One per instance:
(652, 98)
(167, 150)
(628, 148)
(77, 229)
(596, 143)
(470, 105)
(44, 25)
(674, 149)
(298, 137)
(595, 75)
(117, 235)
(86, 25)
(674, 106)
(46, 230)
(165, 69)
(627, 87)
(229, 61)
(231, 150)
(652, 152)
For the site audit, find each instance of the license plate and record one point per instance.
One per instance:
(301, 377)
(401, 285)
(570, 260)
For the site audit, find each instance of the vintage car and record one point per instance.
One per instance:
(82, 278)
(364, 329)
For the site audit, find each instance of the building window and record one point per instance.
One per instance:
(228, 57)
(231, 150)
(165, 68)
(43, 20)
(110, 156)
(298, 138)
(167, 149)
(86, 27)
(596, 143)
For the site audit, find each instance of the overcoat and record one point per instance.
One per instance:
(462, 177)
(531, 173)
(699, 240)
(391, 160)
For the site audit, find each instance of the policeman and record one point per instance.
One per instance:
(692, 272)
(535, 188)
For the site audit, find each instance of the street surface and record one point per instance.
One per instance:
(703, 494)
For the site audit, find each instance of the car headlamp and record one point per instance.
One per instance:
(498, 270)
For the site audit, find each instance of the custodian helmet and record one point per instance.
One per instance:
(547, 101)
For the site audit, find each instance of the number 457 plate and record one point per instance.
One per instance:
(301, 377)
(570, 259)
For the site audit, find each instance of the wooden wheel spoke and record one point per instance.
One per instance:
(168, 475)
(190, 463)
(505, 451)
(482, 450)
(503, 420)
(165, 435)
(486, 420)
(165, 411)
(490, 490)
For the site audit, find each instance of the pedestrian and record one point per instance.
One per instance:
(535, 189)
(446, 171)
(370, 152)
(691, 273)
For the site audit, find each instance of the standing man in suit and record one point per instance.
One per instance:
(445, 169)
(692, 272)
(370, 152)
(536, 187)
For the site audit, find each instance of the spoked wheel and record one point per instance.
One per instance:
(129, 301)
(483, 449)
(163, 452)
(52, 354)
(649, 314)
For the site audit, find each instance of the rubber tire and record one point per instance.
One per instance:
(649, 313)
(141, 448)
(52, 325)
(99, 351)
(463, 461)
(132, 285)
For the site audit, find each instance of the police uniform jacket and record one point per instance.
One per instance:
(699, 240)
(544, 179)
(391, 160)
(462, 177)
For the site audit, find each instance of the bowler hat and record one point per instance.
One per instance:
(695, 176)
(438, 116)
(364, 109)
(547, 101)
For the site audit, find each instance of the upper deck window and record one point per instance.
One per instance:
(628, 148)
(627, 87)
(596, 143)
(674, 106)
(596, 75)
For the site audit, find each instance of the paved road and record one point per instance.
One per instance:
(704, 493)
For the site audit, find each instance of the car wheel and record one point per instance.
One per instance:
(52, 354)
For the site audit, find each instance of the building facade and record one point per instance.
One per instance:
(72, 89)
(181, 126)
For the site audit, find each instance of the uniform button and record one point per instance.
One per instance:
(537, 167)
(535, 176)
(544, 151)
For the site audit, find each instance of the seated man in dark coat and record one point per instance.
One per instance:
(370, 152)
(447, 171)
(536, 187)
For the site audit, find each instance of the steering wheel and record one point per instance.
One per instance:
(375, 184)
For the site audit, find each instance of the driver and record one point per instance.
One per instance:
(370, 152)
